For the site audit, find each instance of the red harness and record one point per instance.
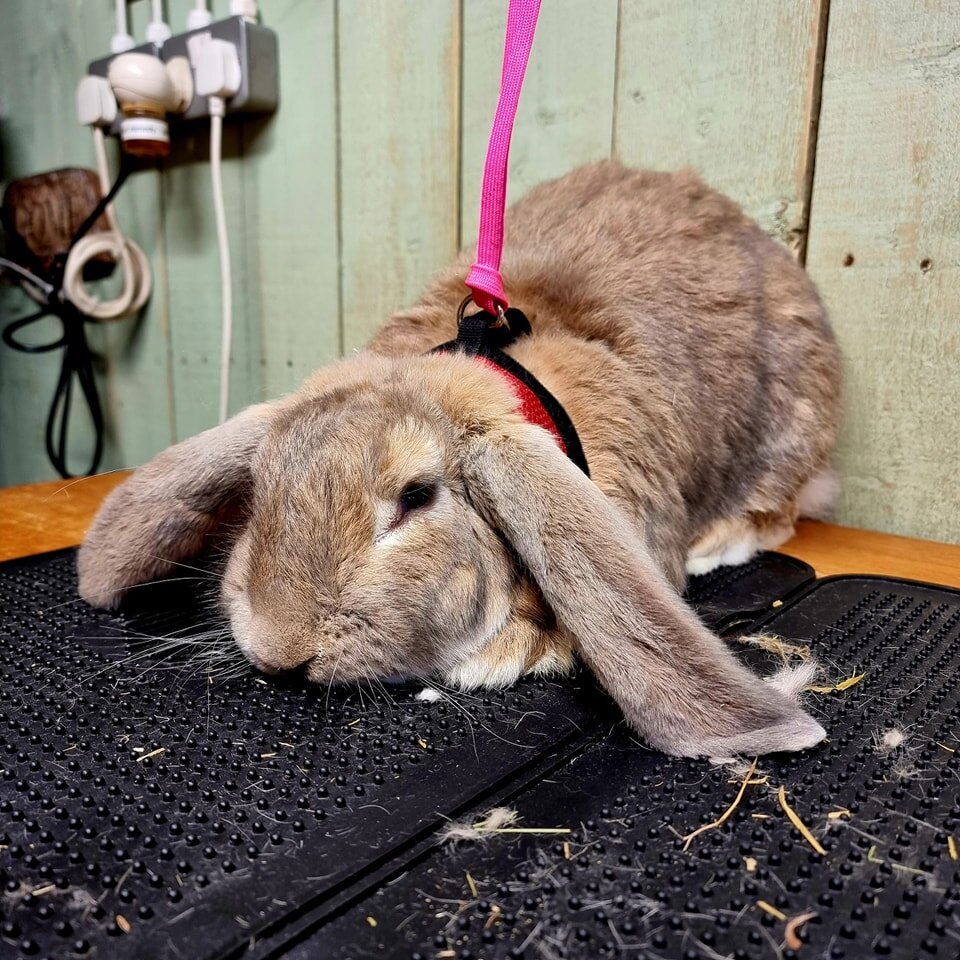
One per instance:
(483, 337)
(531, 406)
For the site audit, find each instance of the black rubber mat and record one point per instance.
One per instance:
(729, 595)
(154, 807)
(620, 882)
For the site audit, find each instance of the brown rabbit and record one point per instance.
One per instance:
(400, 516)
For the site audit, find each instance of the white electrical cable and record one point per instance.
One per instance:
(158, 30)
(121, 40)
(248, 9)
(199, 16)
(137, 275)
(217, 108)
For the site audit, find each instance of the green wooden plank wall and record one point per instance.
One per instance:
(366, 182)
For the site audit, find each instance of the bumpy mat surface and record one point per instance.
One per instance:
(158, 800)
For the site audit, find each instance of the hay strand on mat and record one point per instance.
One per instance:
(722, 819)
(798, 823)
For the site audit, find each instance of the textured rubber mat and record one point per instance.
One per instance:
(150, 809)
(729, 595)
(882, 797)
(158, 800)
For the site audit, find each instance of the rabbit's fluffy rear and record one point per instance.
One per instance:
(399, 516)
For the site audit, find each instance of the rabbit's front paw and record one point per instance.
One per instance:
(519, 648)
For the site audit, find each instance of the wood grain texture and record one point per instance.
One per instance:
(832, 549)
(290, 204)
(885, 252)
(566, 108)
(725, 87)
(399, 153)
(47, 516)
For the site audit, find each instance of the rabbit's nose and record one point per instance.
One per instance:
(271, 648)
(273, 666)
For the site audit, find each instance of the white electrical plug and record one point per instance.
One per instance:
(218, 73)
(96, 104)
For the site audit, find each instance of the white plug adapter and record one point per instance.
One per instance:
(217, 68)
(96, 104)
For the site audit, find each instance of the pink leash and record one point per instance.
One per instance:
(484, 279)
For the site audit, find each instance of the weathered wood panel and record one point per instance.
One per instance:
(566, 109)
(399, 95)
(44, 49)
(725, 87)
(885, 250)
(290, 204)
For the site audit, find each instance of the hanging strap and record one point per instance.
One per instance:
(484, 279)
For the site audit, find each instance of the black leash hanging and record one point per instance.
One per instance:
(78, 359)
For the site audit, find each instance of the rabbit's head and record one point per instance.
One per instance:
(362, 554)
(379, 520)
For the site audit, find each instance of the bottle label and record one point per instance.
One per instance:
(144, 128)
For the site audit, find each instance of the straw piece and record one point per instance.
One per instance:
(750, 863)
(837, 814)
(472, 884)
(798, 823)
(152, 753)
(838, 687)
(770, 909)
(688, 839)
(952, 849)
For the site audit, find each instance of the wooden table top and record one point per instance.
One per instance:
(47, 516)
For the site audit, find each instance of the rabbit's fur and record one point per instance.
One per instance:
(695, 359)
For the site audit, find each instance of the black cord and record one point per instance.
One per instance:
(77, 357)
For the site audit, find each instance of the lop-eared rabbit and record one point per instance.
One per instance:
(398, 516)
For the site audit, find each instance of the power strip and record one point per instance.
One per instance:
(256, 46)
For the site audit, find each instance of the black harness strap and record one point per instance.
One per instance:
(484, 335)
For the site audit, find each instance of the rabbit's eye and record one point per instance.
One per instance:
(416, 496)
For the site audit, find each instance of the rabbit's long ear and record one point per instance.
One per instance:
(168, 510)
(678, 684)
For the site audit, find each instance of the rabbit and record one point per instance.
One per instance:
(397, 515)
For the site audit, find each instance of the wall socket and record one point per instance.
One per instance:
(257, 48)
